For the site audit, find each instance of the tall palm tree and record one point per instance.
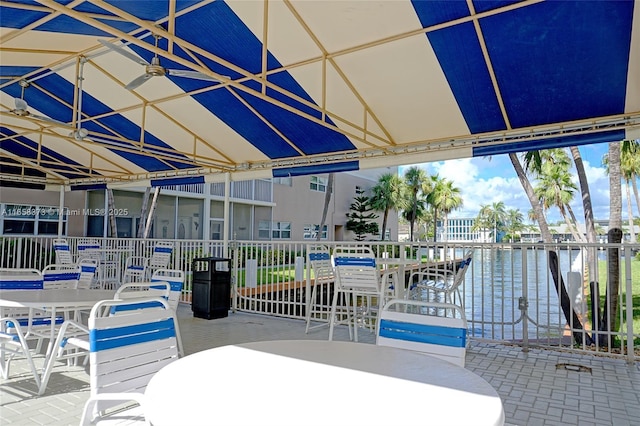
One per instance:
(327, 201)
(555, 188)
(444, 198)
(610, 314)
(545, 233)
(497, 216)
(388, 194)
(417, 186)
(587, 207)
(514, 222)
(491, 218)
(630, 169)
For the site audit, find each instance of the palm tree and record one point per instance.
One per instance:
(327, 201)
(545, 233)
(610, 314)
(555, 188)
(491, 217)
(497, 216)
(630, 169)
(388, 194)
(417, 187)
(514, 223)
(444, 198)
(586, 202)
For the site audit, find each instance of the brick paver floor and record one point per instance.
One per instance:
(538, 387)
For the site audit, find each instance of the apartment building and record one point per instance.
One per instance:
(265, 209)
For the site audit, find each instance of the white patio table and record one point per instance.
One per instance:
(401, 265)
(53, 302)
(313, 382)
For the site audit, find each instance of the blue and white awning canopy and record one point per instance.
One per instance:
(299, 87)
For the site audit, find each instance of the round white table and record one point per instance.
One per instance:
(53, 301)
(310, 382)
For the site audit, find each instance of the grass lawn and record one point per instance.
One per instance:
(635, 290)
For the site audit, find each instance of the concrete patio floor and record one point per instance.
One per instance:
(535, 388)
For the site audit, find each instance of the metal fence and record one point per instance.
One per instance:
(509, 291)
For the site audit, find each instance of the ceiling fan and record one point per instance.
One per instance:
(154, 69)
(22, 108)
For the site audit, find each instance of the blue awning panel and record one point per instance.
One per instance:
(305, 87)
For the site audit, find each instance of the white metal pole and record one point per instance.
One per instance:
(61, 212)
(225, 229)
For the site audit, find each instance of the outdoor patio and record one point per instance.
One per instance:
(539, 387)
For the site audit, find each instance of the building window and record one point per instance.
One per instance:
(264, 229)
(277, 230)
(287, 181)
(281, 230)
(311, 232)
(318, 184)
(31, 220)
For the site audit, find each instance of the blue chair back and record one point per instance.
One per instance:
(20, 279)
(437, 329)
(127, 349)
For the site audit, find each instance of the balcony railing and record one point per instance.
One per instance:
(509, 292)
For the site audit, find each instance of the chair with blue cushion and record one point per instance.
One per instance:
(62, 251)
(31, 320)
(125, 351)
(135, 269)
(60, 275)
(20, 279)
(89, 248)
(13, 345)
(358, 280)
(127, 342)
(88, 271)
(175, 278)
(321, 263)
(160, 257)
(434, 328)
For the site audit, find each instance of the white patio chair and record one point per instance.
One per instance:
(160, 257)
(439, 281)
(358, 279)
(126, 350)
(88, 273)
(126, 341)
(62, 251)
(437, 329)
(89, 248)
(322, 267)
(60, 275)
(143, 289)
(30, 320)
(20, 279)
(135, 269)
(175, 278)
(13, 344)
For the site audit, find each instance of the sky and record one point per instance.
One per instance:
(485, 180)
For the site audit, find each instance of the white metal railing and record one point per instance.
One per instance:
(509, 293)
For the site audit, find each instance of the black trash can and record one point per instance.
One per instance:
(211, 289)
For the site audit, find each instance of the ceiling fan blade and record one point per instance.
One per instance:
(21, 104)
(48, 119)
(138, 81)
(191, 74)
(123, 52)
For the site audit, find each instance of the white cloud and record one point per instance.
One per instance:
(485, 181)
